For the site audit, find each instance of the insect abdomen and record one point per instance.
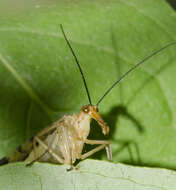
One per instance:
(20, 154)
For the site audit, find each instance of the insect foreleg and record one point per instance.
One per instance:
(107, 147)
(104, 144)
(87, 141)
(109, 152)
(87, 154)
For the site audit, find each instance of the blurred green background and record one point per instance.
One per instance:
(39, 80)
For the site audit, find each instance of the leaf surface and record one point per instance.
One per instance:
(90, 174)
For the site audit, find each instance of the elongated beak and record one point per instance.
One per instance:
(98, 118)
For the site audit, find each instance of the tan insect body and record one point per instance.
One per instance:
(66, 138)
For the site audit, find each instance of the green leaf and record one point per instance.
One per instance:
(40, 82)
(89, 175)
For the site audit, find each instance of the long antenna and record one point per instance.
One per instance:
(132, 69)
(76, 60)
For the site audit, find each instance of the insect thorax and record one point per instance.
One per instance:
(67, 140)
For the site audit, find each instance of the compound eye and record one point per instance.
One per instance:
(85, 109)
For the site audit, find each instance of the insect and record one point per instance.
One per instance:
(64, 140)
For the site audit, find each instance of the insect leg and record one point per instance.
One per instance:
(107, 147)
(109, 152)
(48, 129)
(50, 151)
(87, 154)
(87, 141)
(30, 163)
(103, 144)
(34, 147)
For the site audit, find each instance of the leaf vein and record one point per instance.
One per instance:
(123, 178)
(26, 87)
